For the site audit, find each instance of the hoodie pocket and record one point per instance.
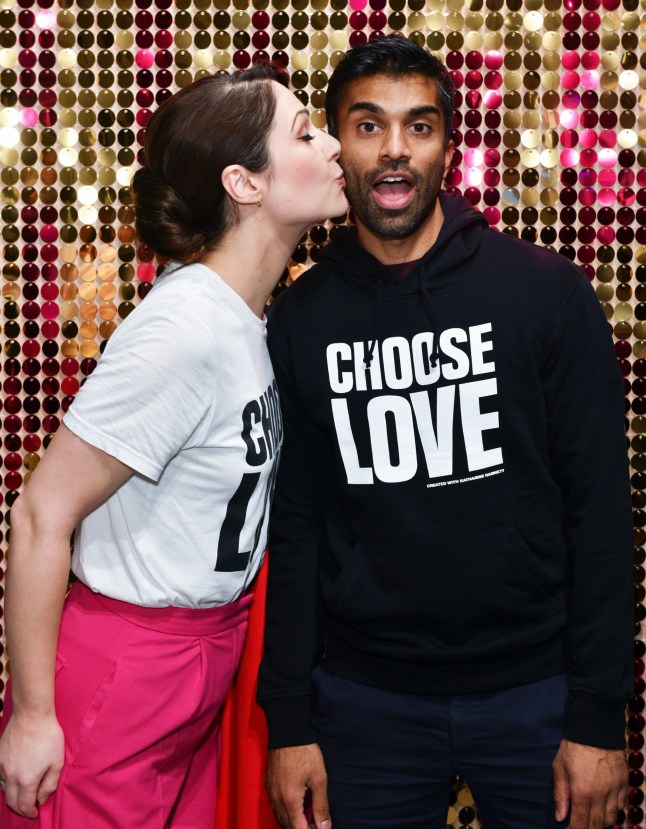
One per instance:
(483, 588)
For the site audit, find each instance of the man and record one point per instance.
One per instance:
(450, 552)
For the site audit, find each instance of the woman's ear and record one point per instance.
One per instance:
(241, 185)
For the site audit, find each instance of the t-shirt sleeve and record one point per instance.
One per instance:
(146, 398)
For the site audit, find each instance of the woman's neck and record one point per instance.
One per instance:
(251, 259)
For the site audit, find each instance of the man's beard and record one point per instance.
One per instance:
(396, 223)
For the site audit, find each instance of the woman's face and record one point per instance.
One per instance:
(305, 185)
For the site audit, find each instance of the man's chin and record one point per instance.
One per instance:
(391, 224)
(395, 232)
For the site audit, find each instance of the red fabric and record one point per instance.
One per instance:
(242, 799)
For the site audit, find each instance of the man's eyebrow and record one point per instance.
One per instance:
(365, 105)
(426, 109)
(368, 106)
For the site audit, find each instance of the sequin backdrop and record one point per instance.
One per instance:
(550, 131)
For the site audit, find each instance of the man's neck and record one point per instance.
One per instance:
(396, 251)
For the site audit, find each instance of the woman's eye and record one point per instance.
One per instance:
(306, 137)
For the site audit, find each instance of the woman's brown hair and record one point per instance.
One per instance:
(181, 207)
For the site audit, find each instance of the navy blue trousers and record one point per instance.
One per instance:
(390, 757)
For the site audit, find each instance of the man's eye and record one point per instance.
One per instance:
(421, 128)
(367, 127)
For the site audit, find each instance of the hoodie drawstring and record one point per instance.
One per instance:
(432, 318)
(428, 309)
(367, 360)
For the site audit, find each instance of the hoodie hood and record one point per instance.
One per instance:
(458, 240)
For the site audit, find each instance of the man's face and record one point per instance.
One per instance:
(392, 152)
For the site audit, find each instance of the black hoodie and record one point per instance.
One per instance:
(453, 517)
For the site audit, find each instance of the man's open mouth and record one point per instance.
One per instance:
(393, 192)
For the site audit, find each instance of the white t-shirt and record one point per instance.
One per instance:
(185, 395)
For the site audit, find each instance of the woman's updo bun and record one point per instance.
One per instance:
(181, 207)
(164, 220)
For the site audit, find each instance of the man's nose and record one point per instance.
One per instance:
(395, 145)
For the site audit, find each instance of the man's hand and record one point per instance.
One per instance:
(291, 773)
(591, 782)
(32, 751)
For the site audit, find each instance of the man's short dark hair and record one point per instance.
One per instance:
(396, 57)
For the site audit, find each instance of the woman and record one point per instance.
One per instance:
(167, 459)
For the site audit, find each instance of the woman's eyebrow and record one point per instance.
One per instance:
(300, 112)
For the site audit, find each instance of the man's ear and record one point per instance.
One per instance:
(243, 186)
(448, 154)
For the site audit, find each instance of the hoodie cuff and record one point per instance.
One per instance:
(594, 721)
(289, 721)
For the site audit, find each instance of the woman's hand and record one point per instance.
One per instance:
(32, 751)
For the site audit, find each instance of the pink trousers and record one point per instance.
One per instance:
(138, 696)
